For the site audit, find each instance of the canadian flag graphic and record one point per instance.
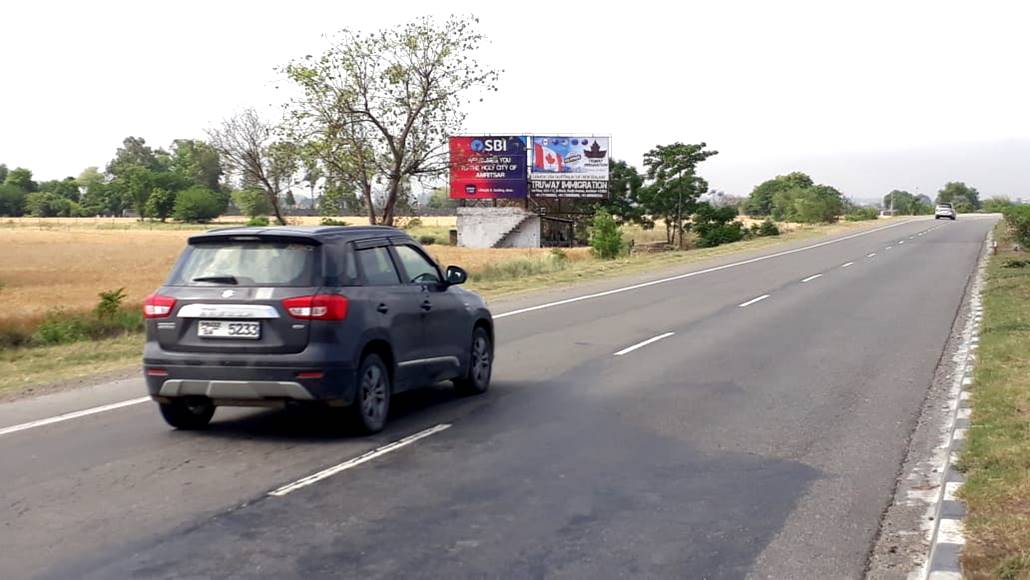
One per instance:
(546, 159)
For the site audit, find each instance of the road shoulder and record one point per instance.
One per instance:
(910, 528)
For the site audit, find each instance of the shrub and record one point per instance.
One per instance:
(412, 223)
(721, 234)
(62, 327)
(327, 221)
(258, 221)
(559, 255)
(862, 214)
(514, 269)
(605, 236)
(768, 228)
(997, 204)
(198, 205)
(715, 226)
(427, 240)
(110, 303)
(1018, 219)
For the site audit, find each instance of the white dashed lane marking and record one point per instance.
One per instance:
(812, 277)
(630, 349)
(848, 265)
(753, 300)
(363, 458)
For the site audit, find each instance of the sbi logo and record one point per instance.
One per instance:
(489, 145)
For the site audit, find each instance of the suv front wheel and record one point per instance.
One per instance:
(477, 380)
(187, 414)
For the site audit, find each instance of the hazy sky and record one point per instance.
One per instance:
(865, 96)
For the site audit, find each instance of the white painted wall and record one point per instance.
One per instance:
(483, 227)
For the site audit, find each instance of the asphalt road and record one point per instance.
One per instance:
(760, 440)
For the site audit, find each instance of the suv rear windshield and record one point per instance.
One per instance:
(246, 264)
(944, 205)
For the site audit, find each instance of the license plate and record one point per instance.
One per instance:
(229, 329)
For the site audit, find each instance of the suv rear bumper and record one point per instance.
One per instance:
(243, 386)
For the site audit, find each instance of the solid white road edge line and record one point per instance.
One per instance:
(848, 265)
(692, 274)
(753, 300)
(630, 349)
(812, 277)
(72, 415)
(363, 458)
(101, 409)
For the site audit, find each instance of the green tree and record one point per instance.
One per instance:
(98, 197)
(22, 179)
(135, 171)
(160, 203)
(67, 188)
(3, 172)
(12, 200)
(47, 204)
(251, 202)
(955, 192)
(624, 185)
(340, 199)
(815, 204)
(376, 108)
(605, 237)
(760, 202)
(197, 162)
(133, 183)
(291, 202)
(249, 149)
(198, 205)
(902, 201)
(135, 152)
(673, 184)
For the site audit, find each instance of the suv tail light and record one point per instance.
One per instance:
(317, 307)
(158, 306)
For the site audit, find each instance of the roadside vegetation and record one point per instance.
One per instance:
(996, 459)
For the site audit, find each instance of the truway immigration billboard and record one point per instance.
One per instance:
(488, 167)
(568, 166)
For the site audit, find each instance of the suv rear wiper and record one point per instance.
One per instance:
(217, 279)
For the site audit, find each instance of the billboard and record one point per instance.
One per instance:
(569, 166)
(488, 167)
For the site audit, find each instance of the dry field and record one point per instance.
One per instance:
(135, 224)
(63, 263)
(66, 266)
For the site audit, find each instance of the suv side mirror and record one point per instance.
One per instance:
(456, 275)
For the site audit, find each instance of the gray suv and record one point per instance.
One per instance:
(343, 316)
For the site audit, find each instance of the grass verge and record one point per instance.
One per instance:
(22, 368)
(996, 459)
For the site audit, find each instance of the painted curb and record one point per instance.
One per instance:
(948, 512)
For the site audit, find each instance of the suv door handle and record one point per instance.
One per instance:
(382, 308)
(427, 305)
